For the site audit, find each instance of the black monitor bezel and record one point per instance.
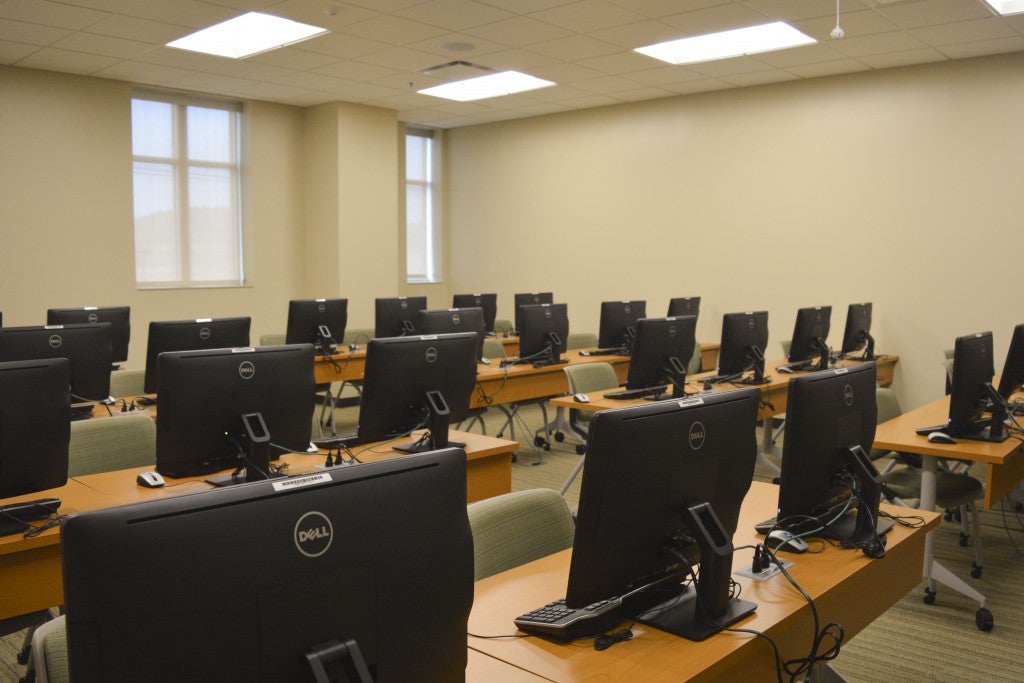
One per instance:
(739, 332)
(657, 340)
(395, 316)
(617, 323)
(488, 302)
(682, 306)
(528, 298)
(86, 345)
(306, 318)
(119, 318)
(812, 324)
(538, 321)
(189, 335)
(450, 320)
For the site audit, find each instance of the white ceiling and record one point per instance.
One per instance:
(377, 50)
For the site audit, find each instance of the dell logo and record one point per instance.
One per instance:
(313, 534)
(93, 318)
(672, 331)
(627, 309)
(750, 323)
(431, 354)
(321, 308)
(697, 435)
(204, 333)
(848, 395)
(456, 319)
(403, 304)
(547, 313)
(55, 341)
(477, 301)
(247, 370)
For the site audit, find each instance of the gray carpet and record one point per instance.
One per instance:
(911, 642)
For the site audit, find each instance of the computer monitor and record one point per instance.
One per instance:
(744, 339)
(857, 333)
(416, 381)
(661, 481)
(270, 581)
(971, 391)
(488, 302)
(617, 327)
(320, 322)
(661, 352)
(527, 299)
(34, 425)
(444, 320)
(238, 408)
(830, 426)
(119, 318)
(396, 316)
(191, 335)
(87, 346)
(1012, 377)
(544, 333)
(810, 333)
(684, 305)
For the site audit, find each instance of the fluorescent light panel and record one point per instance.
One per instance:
(733, 43)
(482, 87)
(1005, 7)
(247, 35)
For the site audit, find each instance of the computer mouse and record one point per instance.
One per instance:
(784, 540)
(581, 398)
(785, 369)
(940, 437)
(150, 479)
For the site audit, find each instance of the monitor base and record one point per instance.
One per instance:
(232, 479)
(678, 616)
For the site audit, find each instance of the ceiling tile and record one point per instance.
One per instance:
(664, 8)
(574, 48)
(565, 73)
(10, 52)
(640, 94)
(67, 61)
(833, 68)
(760, 77)
(435, 47)
(587, 15)
(342, 45)
(718, 18)
(454, 15)
(189, 13)
(104, 45)
(143, 30)
(639, 34)
(140, 72)
(293, 58)
(893, 59)
(931, 12)
(333, 16)
(805, 54)
(964, 32)
(854, 24)
(519, 60)
(46, 13)
(520, 31)
(32, 34)
(393, 30)
(403, 59)
(988, 47)
(618, 63)
(527, 6)
(879, 43)
(353, 71)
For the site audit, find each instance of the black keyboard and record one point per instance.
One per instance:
(557, 621)
(15, 517)
(626, 394)
(925, 431)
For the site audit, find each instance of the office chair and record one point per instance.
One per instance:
(581, 340)
(954, 490)
(32, 621)
(583, 379)
(127, 383)
(503, 328)
(49, 662)
(516, 528)
(111, 443)
(560, 426)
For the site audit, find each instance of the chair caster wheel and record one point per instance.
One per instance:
(975, 571)
(929, 597)
(23, 657)
(581, 450)
(538, 441)
(559, 437)
(515, 457)
(963, 540)
(983, 620)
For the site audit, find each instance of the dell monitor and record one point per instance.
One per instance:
(416, 381)
(278, 581)
(396, 316)
(617, 327)
(238, 408)
(544, 333)
(527, 299)
(971, 392)
(87, 346)
(117, 316)
(445, 320)
(191, 335)
(662, 490)
(34, 425)
(857, 333)
(320, 322)
(744, 339)
(488, 302)
(662, 349)
(686, 305)
(808, 346)
(826, 473)
(1012, 378)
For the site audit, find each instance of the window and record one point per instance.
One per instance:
(187, 195)
(422, 207)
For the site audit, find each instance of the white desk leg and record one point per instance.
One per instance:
(933, 571)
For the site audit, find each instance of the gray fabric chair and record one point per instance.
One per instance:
(126, 383)
(516, 528)
(503, 328)
(50, 652)
(105, 444)
(581, 340)
(583, 379)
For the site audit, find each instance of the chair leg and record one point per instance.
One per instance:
(976, 527)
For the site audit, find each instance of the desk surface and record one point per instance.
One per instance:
(847, 587)
(1004, 461)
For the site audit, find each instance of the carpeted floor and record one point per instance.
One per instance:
(912, 642)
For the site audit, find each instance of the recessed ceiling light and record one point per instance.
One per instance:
(482, 87)
(733, 43)
(1005, 7)
(247, 35)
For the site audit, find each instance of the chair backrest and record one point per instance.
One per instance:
(585, 377)
(104, 444)
(50, 652)
(694, 366)
(493, 348)
(581, 340)
(272, 339)
(516, 528)
(127, 383)
(503, 327)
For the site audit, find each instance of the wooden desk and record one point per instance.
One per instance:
(847, 588)
(708, 351)
(1004, 467)
(30, 571)
(515, 383)
(340, 367)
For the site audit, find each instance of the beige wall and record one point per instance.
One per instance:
(897, 187)
(66, 207)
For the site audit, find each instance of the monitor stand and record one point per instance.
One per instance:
(437, 428)
(255, 456)
(336, 653)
